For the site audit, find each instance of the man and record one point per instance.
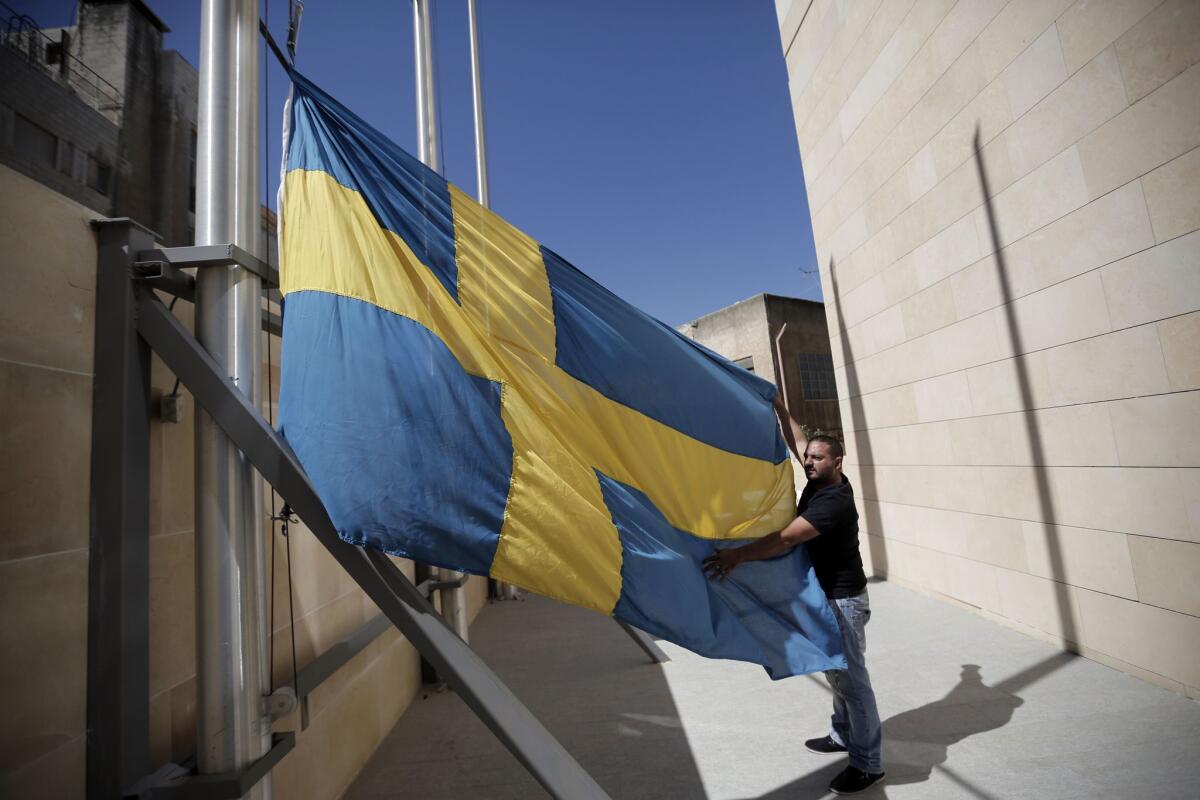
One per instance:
(827, 524)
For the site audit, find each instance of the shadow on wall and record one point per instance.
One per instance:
(862, 442)
(918, 741)
(860, 425)
(1033, 430)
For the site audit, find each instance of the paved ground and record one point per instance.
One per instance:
(971, 710)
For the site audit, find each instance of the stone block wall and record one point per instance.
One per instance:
(47, 295)
(1018, 371)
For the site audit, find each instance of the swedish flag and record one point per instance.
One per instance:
(461, 395)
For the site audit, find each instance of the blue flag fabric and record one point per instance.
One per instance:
(462, 395)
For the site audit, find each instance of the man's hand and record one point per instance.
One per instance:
(722, 562)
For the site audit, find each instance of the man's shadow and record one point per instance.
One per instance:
(918, 740)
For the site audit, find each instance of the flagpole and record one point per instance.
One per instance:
(505, 591)
(454, 600)
(232, 728)
(481, 172)
(427, 149)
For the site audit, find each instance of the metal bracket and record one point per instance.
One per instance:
(163, 270)
(648, 645)
(221, 785)
(165, 276)
(428, 587)
(333, 659)
(213, 255)
(279, 703)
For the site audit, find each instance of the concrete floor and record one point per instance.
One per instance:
(971, 710)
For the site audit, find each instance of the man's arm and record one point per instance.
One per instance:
(793, 434)
(722, 562)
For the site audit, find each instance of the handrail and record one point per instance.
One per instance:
(21, 26)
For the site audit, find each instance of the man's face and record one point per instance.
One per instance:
(819, 463)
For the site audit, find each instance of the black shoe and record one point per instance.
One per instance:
(853, 780)
(825, 746)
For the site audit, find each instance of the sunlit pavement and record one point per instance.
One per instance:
(971, 709)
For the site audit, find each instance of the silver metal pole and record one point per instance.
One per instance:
(427, 149)
(454, 603)
(506, 591)
(231, 636)
(477, 95)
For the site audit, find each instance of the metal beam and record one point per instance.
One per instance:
(648, 645)
(118, 645)
(325, 665)
(272, 323)
(223, 785)
(162, 275)
(214, 255)
(375, 573)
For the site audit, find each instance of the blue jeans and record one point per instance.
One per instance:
(855, 717)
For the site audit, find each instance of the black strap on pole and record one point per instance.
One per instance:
(266, 34)
(295, 11)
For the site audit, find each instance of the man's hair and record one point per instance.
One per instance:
(835, 447)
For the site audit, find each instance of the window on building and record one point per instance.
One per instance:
(816, 376)
(99, 175)
(66, 157)
(192, 149)
(746, 363)
(34, 142)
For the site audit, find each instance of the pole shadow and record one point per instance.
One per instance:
(863, 452)
(918, 741)
(581, 676)
(1033, 428)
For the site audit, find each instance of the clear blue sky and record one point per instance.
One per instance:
(649, 143)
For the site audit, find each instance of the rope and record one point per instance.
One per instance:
(270, 381)
(284, 517)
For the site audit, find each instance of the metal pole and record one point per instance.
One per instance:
(477, 95)
(231, 638)
(505, 591)
(427, 149)
(454, 605)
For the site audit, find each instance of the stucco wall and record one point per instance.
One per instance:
(1021, 403)
(47, 289)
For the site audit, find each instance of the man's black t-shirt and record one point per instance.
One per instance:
(834, 553)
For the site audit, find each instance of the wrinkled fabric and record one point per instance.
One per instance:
(462, 395)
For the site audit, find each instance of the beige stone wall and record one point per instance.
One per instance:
(47, 283)
(738, 331)
(1023, 425)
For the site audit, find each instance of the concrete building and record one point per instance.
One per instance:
(1005, 206)
(769, 334)
(101, 113)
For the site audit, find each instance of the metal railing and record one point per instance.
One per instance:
(21, 33)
